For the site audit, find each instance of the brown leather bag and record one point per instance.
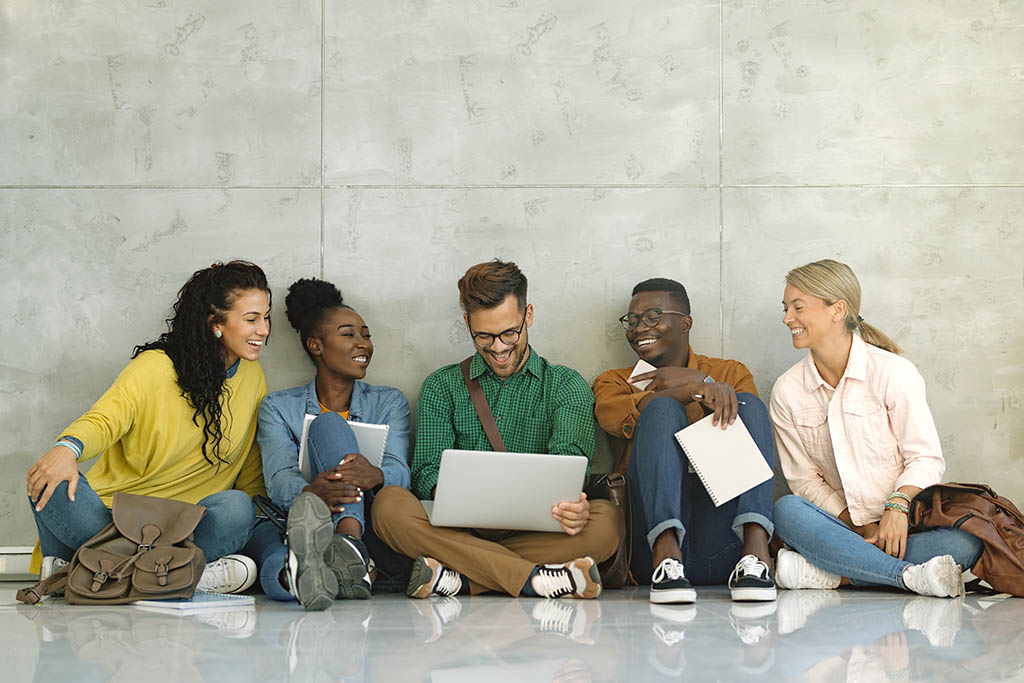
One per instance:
(978, 510)
(146, 553)
(611, 487)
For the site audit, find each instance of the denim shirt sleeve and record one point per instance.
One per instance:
(280, 453)
(395, 414)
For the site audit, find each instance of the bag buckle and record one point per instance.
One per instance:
(98, 579)
(143, 547)
(161, 573)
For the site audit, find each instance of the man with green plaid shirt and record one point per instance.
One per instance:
(539, 408)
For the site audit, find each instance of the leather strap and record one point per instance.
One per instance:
(483, 411)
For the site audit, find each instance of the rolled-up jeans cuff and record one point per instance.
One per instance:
(667, 524)
(755, 518)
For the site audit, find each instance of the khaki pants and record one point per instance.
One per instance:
(492, 560)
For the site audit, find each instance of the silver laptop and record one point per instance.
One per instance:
(487, 490)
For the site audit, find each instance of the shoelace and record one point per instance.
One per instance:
(669, 568)
(669, 637)
(555, 616)
(749, 565)
(448, 609)
(553, 582)
(220, 574)
(448, 582)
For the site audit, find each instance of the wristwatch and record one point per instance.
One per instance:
(709, 380)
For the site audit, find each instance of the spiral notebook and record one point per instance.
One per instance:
(371, 439)
(727, 461)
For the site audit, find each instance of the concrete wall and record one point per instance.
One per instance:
(388, 145)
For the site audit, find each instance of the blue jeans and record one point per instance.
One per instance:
(828, 543)
(64, 525)
(665, 495)
(330, 439)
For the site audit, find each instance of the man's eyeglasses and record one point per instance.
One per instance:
(650, 317)
(509, 336)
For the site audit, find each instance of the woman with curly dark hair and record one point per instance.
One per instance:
(330, 538)
(179, 422)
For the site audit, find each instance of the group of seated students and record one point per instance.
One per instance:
(189, 418)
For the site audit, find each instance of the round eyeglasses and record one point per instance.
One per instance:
(509, 336)
(650, 318)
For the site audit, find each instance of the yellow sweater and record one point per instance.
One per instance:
(143, 432)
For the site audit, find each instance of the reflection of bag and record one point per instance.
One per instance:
(614, 487)
(147, 552)
(978, 510)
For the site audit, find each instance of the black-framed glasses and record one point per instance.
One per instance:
(650, 317)
(509, 336)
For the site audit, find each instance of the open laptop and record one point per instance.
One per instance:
(487, 490)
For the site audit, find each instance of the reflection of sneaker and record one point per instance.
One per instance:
(310, 534)
(440, 613)
(667, 657)
(346, 557)
(229, 574)
(939, 577)
(794, 572)
(751, 621)
(938, 620)
(796, 606)
(576, 579)
(574, 620)
(751, 581)
(430, 577)
(670, 585)
(230, 622)
(51, 564)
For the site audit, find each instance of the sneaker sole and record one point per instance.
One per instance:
(674, 596)
(421, 579)
(349, 571)
(310, 533)
(948, 578)
(592, 589)
(753, 594)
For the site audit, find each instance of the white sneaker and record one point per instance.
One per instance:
(939, 577)
(938, 620)
(796, 606)
(51, 564)
(230, 623)
(794, 572)
(229, 574)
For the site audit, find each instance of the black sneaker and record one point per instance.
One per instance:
(310, 532)
(347, 558)
(751, 581)
(669, 584)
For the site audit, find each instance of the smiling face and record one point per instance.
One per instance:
(503, 359)
(810, 320)
(342, 344)
(245, 326)
(668, 342)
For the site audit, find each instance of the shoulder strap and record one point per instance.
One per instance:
(483, 411)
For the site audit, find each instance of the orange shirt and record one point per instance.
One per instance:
(325, 409)
(616, 400)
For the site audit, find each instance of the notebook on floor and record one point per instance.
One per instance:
(727, 461)
(488, 490)
(371, 439)
(199, 601)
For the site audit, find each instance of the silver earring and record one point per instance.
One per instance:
(218, 334)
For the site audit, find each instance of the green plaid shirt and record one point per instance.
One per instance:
(543, 408)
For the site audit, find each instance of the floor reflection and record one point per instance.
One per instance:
(805, 635)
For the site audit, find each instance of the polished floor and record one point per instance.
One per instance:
(845, 635)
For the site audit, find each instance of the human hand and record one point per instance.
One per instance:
(357, 470)
(721, 398)
(672, 378)
(572, 516)
(891, 533)
(328, 485)
(57, 464)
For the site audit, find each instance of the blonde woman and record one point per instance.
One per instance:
(856, 442)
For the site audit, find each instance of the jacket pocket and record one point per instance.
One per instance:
(812, 426)
(867, 426)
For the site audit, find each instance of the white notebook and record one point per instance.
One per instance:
(198, 601)
(727, 461)
(371, 439)
(640, 368)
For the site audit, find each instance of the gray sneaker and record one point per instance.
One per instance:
(347, 558)
(310, 534)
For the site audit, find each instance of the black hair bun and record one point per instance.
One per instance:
(307, 297)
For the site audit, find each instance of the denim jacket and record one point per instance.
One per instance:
(280, 431)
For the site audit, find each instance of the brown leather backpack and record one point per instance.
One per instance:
(146, 553)
(978, 510)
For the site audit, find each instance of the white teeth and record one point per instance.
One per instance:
(360, 359)
(796, 330)
(645, 342)
(254, 343)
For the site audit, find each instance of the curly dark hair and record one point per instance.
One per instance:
(197, 355)
(306, 304)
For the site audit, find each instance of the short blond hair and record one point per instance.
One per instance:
(832, 281)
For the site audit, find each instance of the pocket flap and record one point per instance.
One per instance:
(861, 407)
(813, 417)
(173, 519)
(164, 559)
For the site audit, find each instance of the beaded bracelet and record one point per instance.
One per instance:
(896, 506)
(899, 494)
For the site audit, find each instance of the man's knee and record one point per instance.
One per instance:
(392, 505)
(661, 408)
(605, 528)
